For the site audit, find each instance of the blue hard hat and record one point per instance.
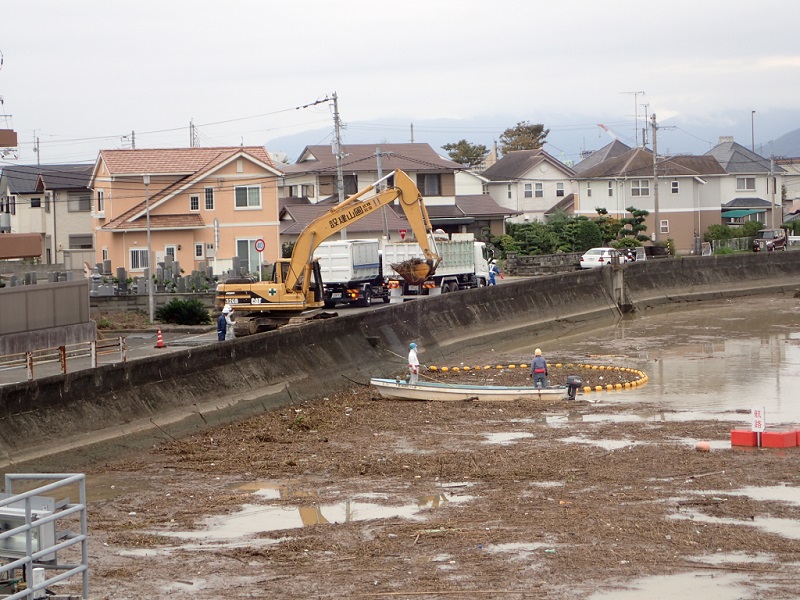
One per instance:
(412, 345)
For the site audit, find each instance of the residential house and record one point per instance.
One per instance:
(790, 193)
(199, 205)
(528, 182)
(591, 159)
(688, 193)
(54, 200)
(754, 184)
(453, 196)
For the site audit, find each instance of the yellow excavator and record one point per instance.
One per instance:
(295, 286)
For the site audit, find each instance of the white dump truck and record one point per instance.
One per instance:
(464, 265)
(351, 272)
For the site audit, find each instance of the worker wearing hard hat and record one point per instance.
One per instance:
(413, 364)
(539, 369)
(222, 323)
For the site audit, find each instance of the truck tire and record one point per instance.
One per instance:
(367, 299)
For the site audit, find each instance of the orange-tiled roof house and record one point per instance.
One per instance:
(205, 205)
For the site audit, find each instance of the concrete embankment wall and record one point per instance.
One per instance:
(100, 412)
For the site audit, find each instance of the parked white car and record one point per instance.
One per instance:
(597, 257)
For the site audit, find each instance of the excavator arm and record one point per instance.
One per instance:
(354, 208)
(296, 284)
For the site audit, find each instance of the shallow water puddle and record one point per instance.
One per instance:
(252, 519)
(604, 444)
(788, 528)
(503, 438)
(719, 586)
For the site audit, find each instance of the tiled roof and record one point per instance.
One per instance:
(23, 179)
(518, 163)
(190, 221)
(747, 203)
(483, 205)
(362, 158)
(735, 158)
(174, 161)
(567, 204)
(295, 218)
(611, 150)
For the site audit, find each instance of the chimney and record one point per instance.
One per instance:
(726, 139)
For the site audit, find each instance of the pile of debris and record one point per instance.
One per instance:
(414, 270)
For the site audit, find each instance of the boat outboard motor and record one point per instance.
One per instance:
(573, 383)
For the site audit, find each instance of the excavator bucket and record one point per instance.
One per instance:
(415, 270)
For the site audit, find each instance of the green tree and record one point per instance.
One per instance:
(523, 136)
(750, 229)
(718, 232)
(633, 226)
(466, 153)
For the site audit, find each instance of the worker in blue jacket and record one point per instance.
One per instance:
(539, 369)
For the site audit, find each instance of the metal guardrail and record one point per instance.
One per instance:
(61, 354)
(40, 552)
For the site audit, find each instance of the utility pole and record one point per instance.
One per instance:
(636, 113)
(337, 151)
(772, 181)
(655, 180)
(36, 149)
(133, 140)
(379, 156)
(192, 134)
(412, 133)
(752, 131)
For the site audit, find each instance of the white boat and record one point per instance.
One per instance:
(429, 390)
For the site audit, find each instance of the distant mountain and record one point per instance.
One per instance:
(788, 145)
(569, 135)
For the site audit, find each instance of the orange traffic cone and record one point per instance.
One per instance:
(160, 342)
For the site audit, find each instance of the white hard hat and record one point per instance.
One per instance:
(227, 309)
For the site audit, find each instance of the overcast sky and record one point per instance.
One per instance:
(239, 69)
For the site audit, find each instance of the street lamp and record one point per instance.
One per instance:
(752, 131)
(149, 249)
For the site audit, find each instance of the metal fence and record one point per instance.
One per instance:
(62, 354)
(36, 533)
(738, 244)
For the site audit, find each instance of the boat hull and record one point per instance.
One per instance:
(442, 392)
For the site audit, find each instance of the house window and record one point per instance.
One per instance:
(194, 203)
(198, 250)
(588, 189)
(82, 203)
(101, 202)
(429, 184)
(676, 188)
(247, 196)
(560, 190)
(640, 187)
(139, 260)
(508, 191)
(170, 251)
(308, 191)
(47, 203)
(664, 226)
(610, 189)
(350, 185)
(746, 184)
(104, 253)
(209, 198)
(538, 190)
(81, 241)
(36, 203)
(528, 190)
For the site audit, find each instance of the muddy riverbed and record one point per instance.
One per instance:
(606, 496)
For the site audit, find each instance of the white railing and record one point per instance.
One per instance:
(63, 354)
(33, 540)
